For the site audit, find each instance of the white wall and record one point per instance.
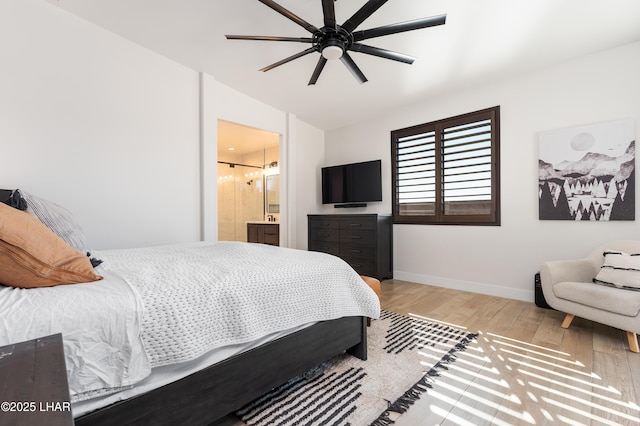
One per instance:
(300, 145)
(503, 260)
(99, 125)
(124, 138)
(308, 159)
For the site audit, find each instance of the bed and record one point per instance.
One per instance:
(188, 333)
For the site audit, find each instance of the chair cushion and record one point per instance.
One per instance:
(611, 299)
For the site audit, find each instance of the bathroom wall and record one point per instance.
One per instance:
(241, 193)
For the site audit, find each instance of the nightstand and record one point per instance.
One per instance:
(33, 383)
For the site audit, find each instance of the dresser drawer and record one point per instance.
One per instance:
(322, 223)
(325, 246)
(357, 223)
(357, 251)
(324, 234)
(356, 236)
(362, 267)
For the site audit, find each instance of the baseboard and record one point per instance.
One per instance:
(474, 287)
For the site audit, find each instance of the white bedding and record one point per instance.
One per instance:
(99, 322)
(163, 305)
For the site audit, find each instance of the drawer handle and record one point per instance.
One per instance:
(355, 237)
(355, 251)
(355, 225)
(324, 234)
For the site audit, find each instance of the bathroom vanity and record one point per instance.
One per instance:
(263, 232)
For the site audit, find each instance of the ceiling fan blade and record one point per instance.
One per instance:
(382, 53)
(365, 11)
(290, 15)
(270, 38)
(400, 27)
(351, 66)
(316, 72)
(289, 59)
(329, 11)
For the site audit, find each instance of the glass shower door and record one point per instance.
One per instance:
(240, 200)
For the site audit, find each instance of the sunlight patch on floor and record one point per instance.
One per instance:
(549, 386)
(578, 400)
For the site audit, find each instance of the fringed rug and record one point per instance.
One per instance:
(405, 354)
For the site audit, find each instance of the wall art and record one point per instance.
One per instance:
(587, 172)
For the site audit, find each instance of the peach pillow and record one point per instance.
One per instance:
(31, 255)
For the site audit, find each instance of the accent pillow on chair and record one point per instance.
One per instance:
(620, 269)
(32, 255)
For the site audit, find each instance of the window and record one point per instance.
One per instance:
(448, 171)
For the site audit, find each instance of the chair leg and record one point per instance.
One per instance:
(633, 341)
(567, 320)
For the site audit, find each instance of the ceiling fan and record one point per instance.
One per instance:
(335, 41)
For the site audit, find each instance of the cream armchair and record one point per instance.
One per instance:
(568, 287)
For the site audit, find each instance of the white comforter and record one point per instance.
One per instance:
(169, 304)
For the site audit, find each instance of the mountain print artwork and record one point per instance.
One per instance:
(588, 172)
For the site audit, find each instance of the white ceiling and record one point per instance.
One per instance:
(483, 41)
(237, 139)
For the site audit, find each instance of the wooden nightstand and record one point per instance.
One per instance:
(33, 383)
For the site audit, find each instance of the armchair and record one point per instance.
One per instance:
(568, 286)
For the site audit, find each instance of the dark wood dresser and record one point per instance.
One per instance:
(33, 383)
(364, 241)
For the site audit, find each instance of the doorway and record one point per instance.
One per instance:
(248, 161)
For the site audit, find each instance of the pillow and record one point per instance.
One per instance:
(58, 219)
(13, 199)
(620, 269)
(31, 255)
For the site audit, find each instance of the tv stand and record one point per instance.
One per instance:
(349, 205)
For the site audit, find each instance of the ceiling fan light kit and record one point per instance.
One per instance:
(334, 41)
(332, 51)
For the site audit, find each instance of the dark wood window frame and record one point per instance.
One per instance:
(448, 171)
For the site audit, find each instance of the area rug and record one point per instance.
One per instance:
(405, 354)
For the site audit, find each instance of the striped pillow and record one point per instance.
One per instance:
(58, 219)
(620, 269)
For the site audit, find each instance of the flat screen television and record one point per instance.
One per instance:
(354, 183)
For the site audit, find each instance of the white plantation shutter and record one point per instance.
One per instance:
(447, 171)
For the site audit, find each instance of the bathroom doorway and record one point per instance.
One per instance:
(248, 166)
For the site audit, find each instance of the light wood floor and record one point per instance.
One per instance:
(524, 368)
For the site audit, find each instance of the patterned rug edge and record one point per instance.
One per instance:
(400, 335)
(415, 392)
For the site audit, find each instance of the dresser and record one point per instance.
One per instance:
(263, 233)
(364, 241)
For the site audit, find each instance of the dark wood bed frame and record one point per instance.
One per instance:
(214, 392)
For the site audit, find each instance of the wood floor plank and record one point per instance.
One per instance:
(616, 404)
(524, 369)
